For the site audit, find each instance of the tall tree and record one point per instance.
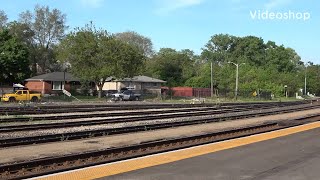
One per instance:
(219, 47)
(144, 44)
(25, 35)
(312, 74)
(268, 66)
(3, 19)
(173, 66)
(249, 49)
(13, 58)
(95, 55)
(49, 28)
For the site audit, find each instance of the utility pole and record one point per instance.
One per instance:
(237, 78)
(305, 83)
(305, 80)
(64, 82)
(211, 80)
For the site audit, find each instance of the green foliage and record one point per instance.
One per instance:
(3, 19)
(144, 44)
(312, 73)
(267, 66)
(45, 28)
(250, 50)
(95, 55)
(38, 40)
(13, 59)
(172, 66)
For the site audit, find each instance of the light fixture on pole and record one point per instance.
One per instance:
(286, 91)
(237, 77)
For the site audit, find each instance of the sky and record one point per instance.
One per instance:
(189, 24)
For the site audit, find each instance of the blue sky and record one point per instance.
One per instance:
(189, 24)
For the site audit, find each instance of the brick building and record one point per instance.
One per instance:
(52, 83)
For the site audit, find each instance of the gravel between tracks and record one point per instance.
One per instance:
(98, 112)
(88, 119)
(25, 153)
(98, 127)
(118, 125)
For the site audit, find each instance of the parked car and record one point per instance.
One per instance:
(109, 93)
(126, 95)
(21, 95)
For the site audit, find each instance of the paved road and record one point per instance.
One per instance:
(293, 157)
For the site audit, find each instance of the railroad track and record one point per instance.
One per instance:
(150, 115)
(110, 114)
(8, 142)
(23, 110)
(164, 115)
(89, 108)
(130, 113)
(101, 114)
(32, 168)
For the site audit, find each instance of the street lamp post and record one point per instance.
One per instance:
(286, 91)
(305, 80)
(211, 91)
(237, 77)
(305, 84)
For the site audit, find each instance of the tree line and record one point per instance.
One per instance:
(40, 41)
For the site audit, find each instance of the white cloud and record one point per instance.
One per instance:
(92, 3)
(276, 3)
(165, 7)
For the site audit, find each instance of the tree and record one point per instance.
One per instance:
(313, 79)
(144, 44)
(13, 59)
(249, 49)
(268, 66)
(25, 35)
(3, 19)
(95, 55)
(173, 66)
(219, 47)
(48, 27)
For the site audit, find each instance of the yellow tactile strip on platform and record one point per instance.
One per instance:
(148, 161)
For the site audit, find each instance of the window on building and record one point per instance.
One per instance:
(57, 85)
(155, 84)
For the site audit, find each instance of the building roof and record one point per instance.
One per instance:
(54, 76)
(137, 79)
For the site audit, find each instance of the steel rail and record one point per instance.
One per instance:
(32, 168)
(86, 108)
(8, 142)
(155, 115)
(110, 114)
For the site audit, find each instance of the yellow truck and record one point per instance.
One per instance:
(21, 95)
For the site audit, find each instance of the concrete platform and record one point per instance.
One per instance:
(292, 157)
(291, 153)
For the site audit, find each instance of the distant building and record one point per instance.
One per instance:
(52, 83)
(55, 82)
(141, 84)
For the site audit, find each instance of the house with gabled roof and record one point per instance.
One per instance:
(141, 84)
(52, 83)
(55, 82)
